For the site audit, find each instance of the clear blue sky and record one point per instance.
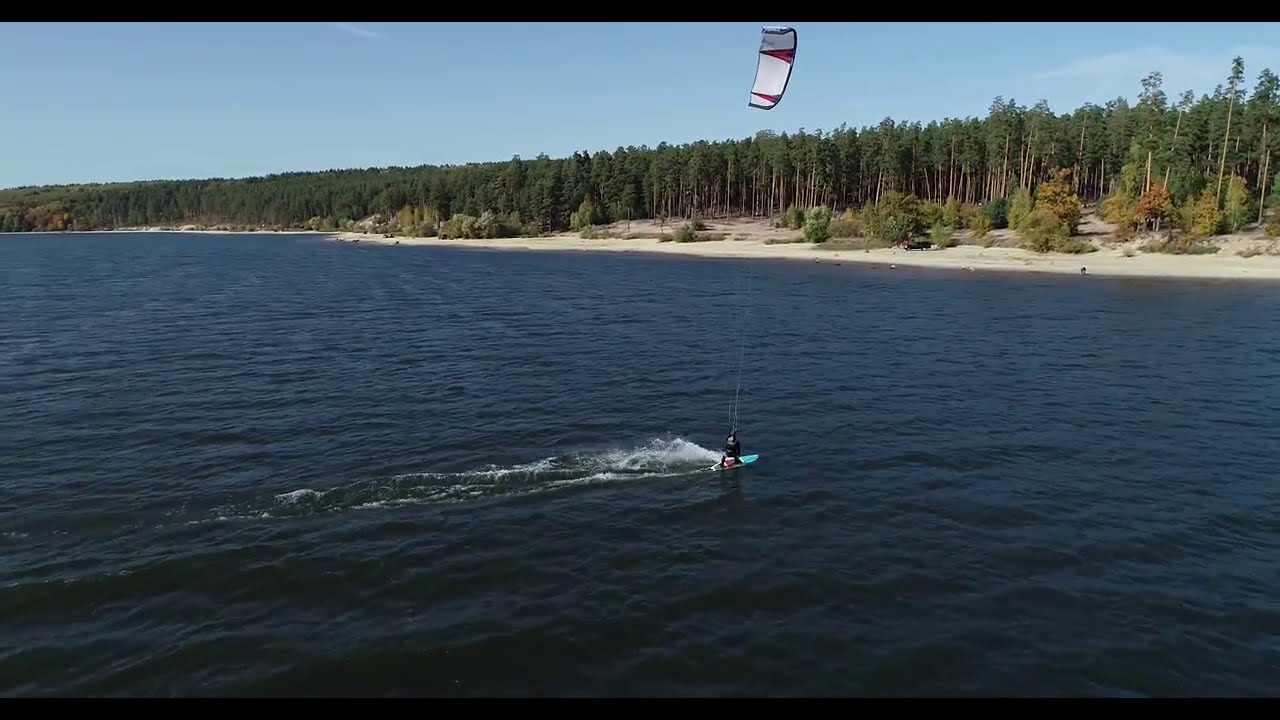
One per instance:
(128, 101)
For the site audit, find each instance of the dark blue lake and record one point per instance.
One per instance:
(255, 465)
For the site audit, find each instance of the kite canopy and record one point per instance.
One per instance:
(773, 66)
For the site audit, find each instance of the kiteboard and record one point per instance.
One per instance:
(744, 460)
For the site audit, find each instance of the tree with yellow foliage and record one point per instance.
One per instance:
(1236, 211)
(1206, 217)
(1154, 207)
(1058, 197)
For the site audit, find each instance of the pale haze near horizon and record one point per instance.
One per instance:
(105, 102)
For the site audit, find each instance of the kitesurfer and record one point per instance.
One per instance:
(732, 449)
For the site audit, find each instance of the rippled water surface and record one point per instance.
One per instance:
(250, 465)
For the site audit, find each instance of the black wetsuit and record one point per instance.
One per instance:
(732, 449)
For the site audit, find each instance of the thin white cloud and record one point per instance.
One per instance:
(354, 29)
(1120, 73)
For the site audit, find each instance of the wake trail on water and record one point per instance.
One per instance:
(656, 458)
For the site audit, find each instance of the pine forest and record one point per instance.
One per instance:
(1197, 167)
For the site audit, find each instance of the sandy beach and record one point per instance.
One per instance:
(751, 239)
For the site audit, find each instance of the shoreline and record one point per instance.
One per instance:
(1106, 262)
(180, 231)
(1117, 260)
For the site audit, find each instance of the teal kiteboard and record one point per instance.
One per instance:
(744, 460)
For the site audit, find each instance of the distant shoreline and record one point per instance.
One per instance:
(1105, 262)
(749, 240)
(175, 230)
